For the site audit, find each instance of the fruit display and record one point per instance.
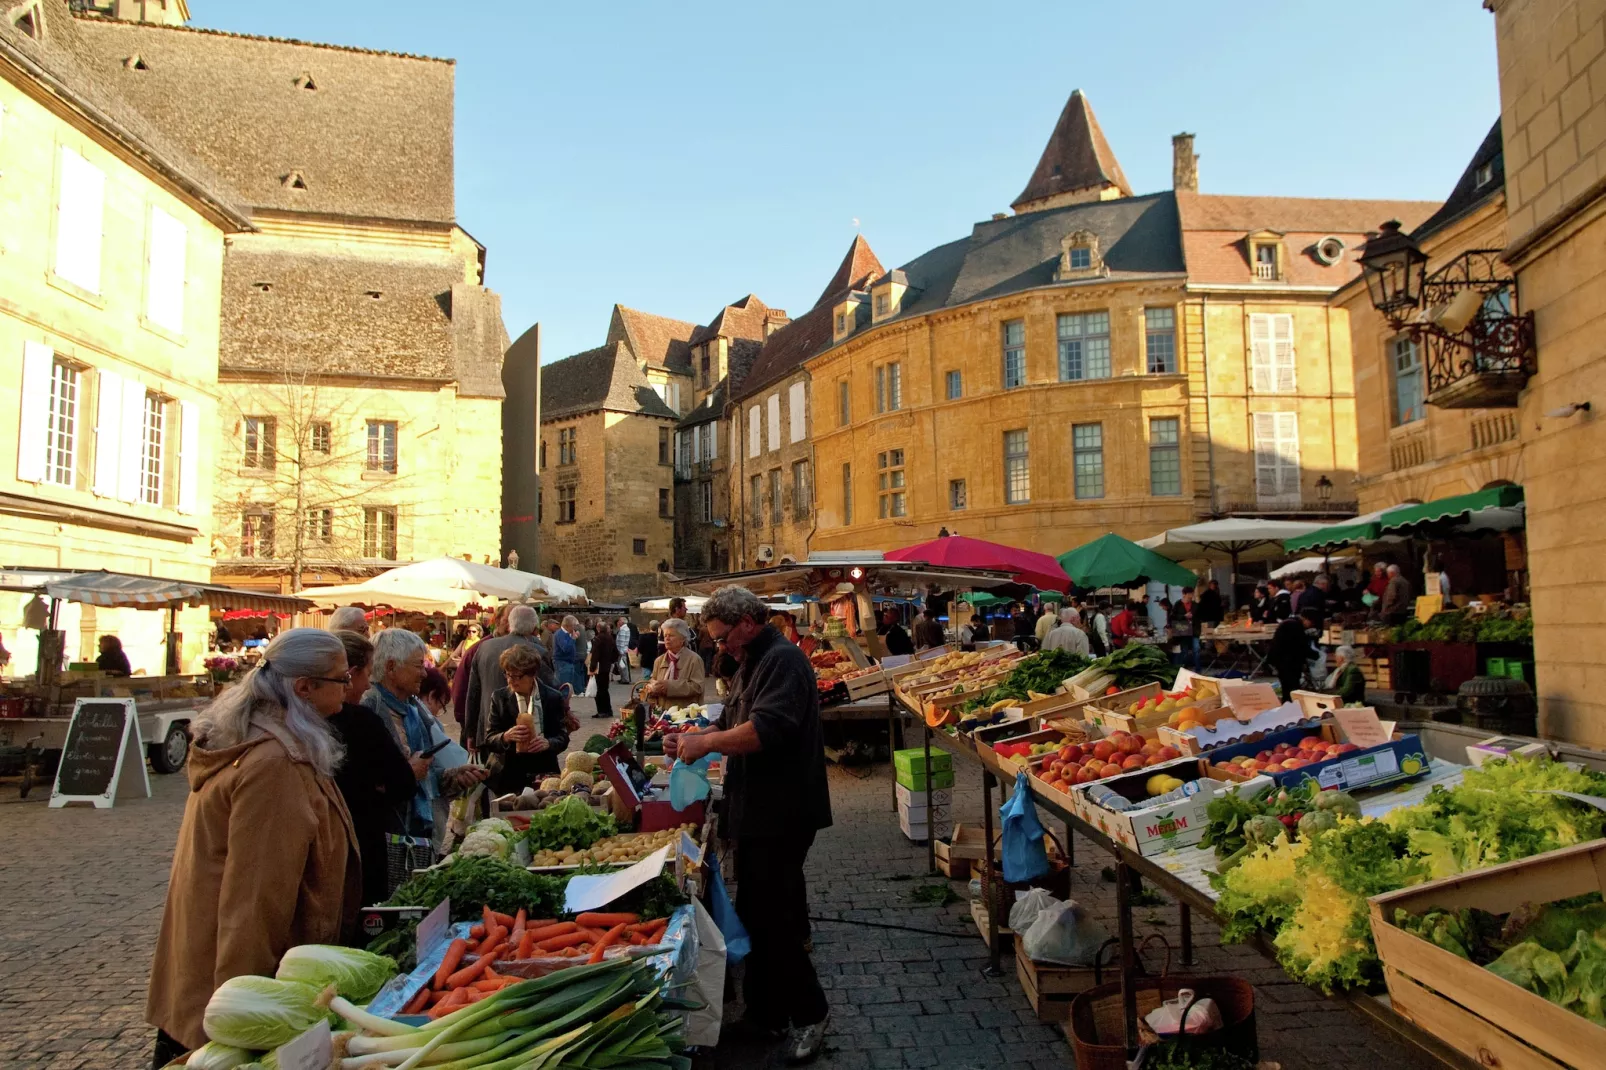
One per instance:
(1184, 709)
(1117, 753)
(934, 670)
(611, 851)
(1285, 757)
(1032, 677)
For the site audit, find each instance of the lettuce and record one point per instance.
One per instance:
(261, 1012)
(215, 1056)
(356, 974)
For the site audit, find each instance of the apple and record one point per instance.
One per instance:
(1167, 753)
(1243, 759)
(1153, 759)
(1071, 752)
(1103, 749)
(1263, 756)
(1312, 741)
(1070, 769)
(1109, 770)
(1132, 761)
(1296, 763)
(1131, 745)
(1345, 748)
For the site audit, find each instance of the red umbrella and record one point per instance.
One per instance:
(959, 551)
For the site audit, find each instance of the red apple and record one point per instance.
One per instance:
(1263, 756)
(1345, 748)
(1167, 753)
(1070, 769)
(1133, 761)
(1103, 750)
(1312, 741)
(1109, 770)
(1131, 745)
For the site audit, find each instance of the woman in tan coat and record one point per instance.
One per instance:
(266, 856)
(677, 675)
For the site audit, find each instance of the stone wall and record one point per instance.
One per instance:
(787, 525)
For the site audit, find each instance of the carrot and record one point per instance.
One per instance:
(610, 937)
(488, 916)
(471, 973)
(570, 953)
(606, 921)
(594, 934)
(526, 945)
(418, 1002)
(504, 920)
(446, 1006)
(453, 959)
(557, 943)
(487, 984)
(494, 937)
(546, 932)
(540, 923)
(477, 931)
(518, 919)
(644, 926)
(635, 939)
(654, 935)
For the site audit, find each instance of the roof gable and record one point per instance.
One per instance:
(655, 340)
(739, 319)
(856, 270)
(1076, 157)
(607, 377)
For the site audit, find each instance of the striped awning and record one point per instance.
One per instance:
(118, 590)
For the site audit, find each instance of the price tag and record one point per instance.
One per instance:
(432, 930)
(1362, 728)
(312, 1050)
(1247, 700)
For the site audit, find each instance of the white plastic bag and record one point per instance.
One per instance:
(591, 687)
(1063, 934)
(708, 987)
(1203, 1016)
(1026, 908)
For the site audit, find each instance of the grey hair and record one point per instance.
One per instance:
(679, 627)
(521, 620)
(570, 619)
(394, 645)
(729, 605)
(1394, 570)
(1069, 616)
(1347, 653)
(348, 619)
(265, 701)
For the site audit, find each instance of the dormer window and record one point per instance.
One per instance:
(30, 21)
(849, 314)
(841, 323)
(1265, 261)
(306, 82)
(135, 63)
(1483, 175)
(294, 180)
(1266, 255)
(1079, 257)
(888, 293)
(882, 303)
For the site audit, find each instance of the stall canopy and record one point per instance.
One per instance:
(959, 551)
(1111, 561)
(1233, 538)
(982, 599)
(510, 584)
(412, 597)
(1305, 566)
(876, 573)
(1491, 509)
(114, 590)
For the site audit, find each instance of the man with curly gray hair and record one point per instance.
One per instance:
(777, 800)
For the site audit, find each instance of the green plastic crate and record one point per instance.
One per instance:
(1496, 667)
(913, 760)
(942, 778)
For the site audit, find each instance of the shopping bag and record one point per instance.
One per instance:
(688, 781)
(591, 687)
(737, 942)
(1025, 857)
(403, 854)
(707, 982)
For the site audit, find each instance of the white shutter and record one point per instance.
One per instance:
(38, 362)
(1282, 352)
(80, 205)
(1261, 377)
(1276, 456)
(796, 404)
(164, 297)
(129, 463)
(713, 440)
(108, 431)
(1288, 455)
(189, 455)
(774, 406)
(754, 431)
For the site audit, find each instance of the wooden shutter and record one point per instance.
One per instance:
(189, 455)
(80, 207)
(1282, 352)
(108, 431)
(1261, 377)
(754, 431)
(130, 461)
(164, 297)
(713, 440)
(774, 406)
(796, 403)
(1276, 456)
(38, 364)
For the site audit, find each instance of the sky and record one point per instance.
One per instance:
(675, 156)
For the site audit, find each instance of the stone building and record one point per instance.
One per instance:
(112, 238)
(605, 508)
(359, 373)
(1098, 361)
(1552, 69)
(721, 354)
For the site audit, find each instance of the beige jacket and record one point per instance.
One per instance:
(687, 684)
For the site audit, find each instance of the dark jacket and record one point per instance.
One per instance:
(780, 790)
(377, 783)
(1314, 599)
(897, 640)
(1290, 646)
(1281, 606)
(603, 655)
(929, 633)
(1209, 609)
(646, 645)
(488, 677)
(114, 662)
(510, 770)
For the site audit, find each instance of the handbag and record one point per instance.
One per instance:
(635, 658)
(403, 855)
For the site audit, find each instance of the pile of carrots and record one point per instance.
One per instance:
(500, 936)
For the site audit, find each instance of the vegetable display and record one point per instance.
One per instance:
(260, 1012)
(1459, 626)
(1040, 673)
(358, 974)
(1311, 891)
(571, 824)
(625, 847)
(470, 880)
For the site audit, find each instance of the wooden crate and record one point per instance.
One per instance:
(1003, 767)
(1449, 996)
(1108, 711)
(1048, 986)
(978, 914)
(867, 686)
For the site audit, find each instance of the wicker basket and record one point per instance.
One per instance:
(1097, 1026)
(999, 894)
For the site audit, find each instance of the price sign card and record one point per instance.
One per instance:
(1361, 726)
(432, 929)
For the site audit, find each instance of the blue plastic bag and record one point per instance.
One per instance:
(737, 942)
(1024, 855)
(688, 781)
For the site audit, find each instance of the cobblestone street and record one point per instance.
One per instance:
(85, 888)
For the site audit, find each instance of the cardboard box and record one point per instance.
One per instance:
(1228, 731)
(1488, 1018)
(1401, 758)
(913, 760)
(942, 778)
(1109, 711)
(1152, 830)
(917, 799)
(630, 807)
(1005, 767)
(919, 831)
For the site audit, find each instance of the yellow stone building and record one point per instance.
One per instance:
(359, 423)
(1098, 361)
(112, 242)
(1552, 56)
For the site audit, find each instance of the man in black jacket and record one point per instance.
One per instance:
(777, 799)
(1292, 650)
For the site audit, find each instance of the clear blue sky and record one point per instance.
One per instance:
(675, 156)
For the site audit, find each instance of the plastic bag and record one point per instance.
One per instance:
(1062, 933)
(688, 781)
(1027, 907)
(1203, 1016)
(707, 984)
(591, 687)
(1025, 857)
(737, 942)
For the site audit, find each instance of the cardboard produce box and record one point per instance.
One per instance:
(917, 799)
(1155, 829)
(1401, 757)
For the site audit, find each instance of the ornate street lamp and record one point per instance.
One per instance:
(1394, 268)
(1324, 490)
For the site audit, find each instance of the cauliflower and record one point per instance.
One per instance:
(493, 824)
(491, 844)
(580, 761)
(551, 783)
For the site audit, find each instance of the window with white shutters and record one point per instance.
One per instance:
(774, 406)
(1277, 457)
(80, 208)
(153, 450)
(754, 431)
(1271, 353)
(47, 440)
(61, 425)
(189, 455)
(131, 438)
(164, 286)
(795, 404)
(711, 442)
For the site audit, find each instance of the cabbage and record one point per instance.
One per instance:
(261, 1012)
(215, 1056)
(493, 824)
(491, 844)
(356, 974)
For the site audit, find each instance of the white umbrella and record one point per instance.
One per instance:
(1233, 538)
(1304, 566)
(487, 580)
(416, 597)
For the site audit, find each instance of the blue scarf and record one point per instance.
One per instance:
(419, 739)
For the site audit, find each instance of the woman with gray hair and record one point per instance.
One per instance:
(398, 674)
(1346, 679)
(266, 856)
(677, 676)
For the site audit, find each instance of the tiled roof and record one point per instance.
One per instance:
(857, 269)
(1469, 193)
(739, 360)
(371, 139)
(607, 377)
(1215, 229)
(709, 409)
(59, 58)
(655, 340)
(739, 319)
(1076, 157)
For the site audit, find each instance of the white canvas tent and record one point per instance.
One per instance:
(1233, 538)
(446, 585)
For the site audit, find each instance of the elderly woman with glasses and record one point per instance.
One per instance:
(398, 675)
(266, 856)
(677, 675)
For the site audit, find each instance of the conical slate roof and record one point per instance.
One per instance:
(1076, 157)
(859, 263)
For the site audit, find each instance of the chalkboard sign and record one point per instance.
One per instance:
(103, 756)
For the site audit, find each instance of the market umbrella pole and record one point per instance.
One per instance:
(931, 782)
(988, 781)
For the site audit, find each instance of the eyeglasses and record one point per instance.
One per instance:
(341, 680)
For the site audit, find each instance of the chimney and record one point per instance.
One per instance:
(1184, 164)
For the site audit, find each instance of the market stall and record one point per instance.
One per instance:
(1232, 539)
(446, 585)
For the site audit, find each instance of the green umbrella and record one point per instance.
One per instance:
(1111, 561)
(1051, 596)
(982, 598)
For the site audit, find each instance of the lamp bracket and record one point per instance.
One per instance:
(1497, 341)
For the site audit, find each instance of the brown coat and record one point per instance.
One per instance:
(685, 687)
(266, 859)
